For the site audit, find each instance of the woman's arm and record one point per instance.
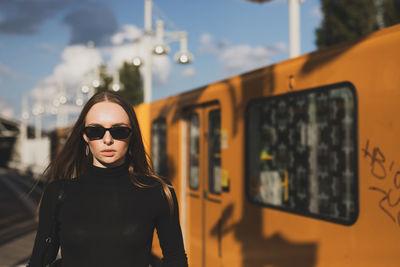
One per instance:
(45, 250)
(170, 235)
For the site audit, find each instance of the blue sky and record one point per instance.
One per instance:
(43, 44)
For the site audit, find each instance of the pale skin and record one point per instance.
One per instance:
(107, 114)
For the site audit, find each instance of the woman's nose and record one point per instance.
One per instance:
(107, 138)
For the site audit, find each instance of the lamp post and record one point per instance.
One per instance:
(294, 28)
(37, 111)
(91, 79)
(116, 85)
(24, 119)
(182, 57)
(59, 103)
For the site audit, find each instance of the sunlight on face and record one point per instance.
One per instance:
(107, 114)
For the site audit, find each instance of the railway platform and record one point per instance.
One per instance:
(18, 222)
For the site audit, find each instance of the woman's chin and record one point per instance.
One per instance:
(110, 161)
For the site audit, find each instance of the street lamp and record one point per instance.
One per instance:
(182, 57)
(24, 121)
(116, 85)
(137, 61)
(91, 77)
(294, 26)
(160, 48)
(58, 103)
(37, 111)
(79, 98)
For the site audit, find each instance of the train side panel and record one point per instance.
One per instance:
(242, 231)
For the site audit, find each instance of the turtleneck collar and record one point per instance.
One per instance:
(116, 171)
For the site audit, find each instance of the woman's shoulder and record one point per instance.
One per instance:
(60, 182)
(152, 181)
(55, 186)
(156, 185)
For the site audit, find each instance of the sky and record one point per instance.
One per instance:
(44, 45)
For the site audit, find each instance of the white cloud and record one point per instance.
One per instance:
(125, 49)
(189, 72)
(161, 69)
(79, 64)
(6, 111)
(206, 38)
(209, 46)
(127, 33)
(239, 58)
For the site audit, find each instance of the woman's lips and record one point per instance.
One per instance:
(108, 152)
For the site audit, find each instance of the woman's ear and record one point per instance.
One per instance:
(85, 137)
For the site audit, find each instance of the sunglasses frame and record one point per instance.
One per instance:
(105, 130)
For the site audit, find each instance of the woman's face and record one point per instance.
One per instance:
(107, 151)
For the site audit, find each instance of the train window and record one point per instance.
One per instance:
(159, 146)
(302, 154)
(214, 152)
(194, 151)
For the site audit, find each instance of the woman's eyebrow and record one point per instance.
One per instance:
(115, 124)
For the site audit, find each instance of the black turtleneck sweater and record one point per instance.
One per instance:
(105, 220)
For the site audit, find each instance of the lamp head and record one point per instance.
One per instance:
(95, 83)
(137, 61)
(85, 89)
(79, 102)
(183, 57)
(160, 49)
(117, 87)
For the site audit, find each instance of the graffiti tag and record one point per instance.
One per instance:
(382, 169)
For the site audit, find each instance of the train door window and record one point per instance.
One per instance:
(194, 143)
(214, 151)
(159, 146)
(302, 153)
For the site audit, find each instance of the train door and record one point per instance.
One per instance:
(204, 185)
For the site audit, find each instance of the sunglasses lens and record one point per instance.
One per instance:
(120, 132)
(95, 132)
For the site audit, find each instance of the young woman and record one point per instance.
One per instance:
(111, 201)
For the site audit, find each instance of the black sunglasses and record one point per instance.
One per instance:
(97, 132)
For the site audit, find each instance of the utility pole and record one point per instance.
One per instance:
(294, 28)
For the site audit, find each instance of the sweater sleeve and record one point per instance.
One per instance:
(170, 235)
(44, 251)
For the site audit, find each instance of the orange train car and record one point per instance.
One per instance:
(293, 164)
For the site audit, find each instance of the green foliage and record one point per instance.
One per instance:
(105, 79)
(391, 12)
(130, 79)
(345, 20)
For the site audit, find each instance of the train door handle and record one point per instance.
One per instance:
(205, 193)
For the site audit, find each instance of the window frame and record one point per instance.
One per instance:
(189, 116)
(306, 91)
(158, 120)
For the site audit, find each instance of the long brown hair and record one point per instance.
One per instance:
(72, 161)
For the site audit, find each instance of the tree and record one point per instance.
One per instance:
(391, 12)
(344, 20)
(105, 79)
(130, 79)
